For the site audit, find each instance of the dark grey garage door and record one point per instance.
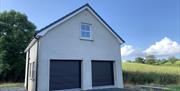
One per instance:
(102, 73)
(65, 74)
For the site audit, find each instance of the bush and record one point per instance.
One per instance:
(139, 60)
(150, 59)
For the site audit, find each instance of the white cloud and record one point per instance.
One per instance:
(130, 51)
(127, 50)
(165, 47)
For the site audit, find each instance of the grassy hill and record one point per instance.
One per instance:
(137, 73)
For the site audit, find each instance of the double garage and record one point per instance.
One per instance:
(66, 74)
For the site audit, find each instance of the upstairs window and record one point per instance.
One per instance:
(85, 31)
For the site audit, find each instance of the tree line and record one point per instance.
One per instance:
(16, 32)
(151, 59)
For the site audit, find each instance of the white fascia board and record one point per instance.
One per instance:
(30, 44)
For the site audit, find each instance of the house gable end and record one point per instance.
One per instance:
(43, 31)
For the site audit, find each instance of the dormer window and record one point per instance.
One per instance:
(85, 31)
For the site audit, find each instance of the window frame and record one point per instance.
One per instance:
(90, 31)
(32, 70)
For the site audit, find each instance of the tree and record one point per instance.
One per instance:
(15, 33)
(129, 61)
(150, 59)
(139, 60)
(163, 61)
(172, 59)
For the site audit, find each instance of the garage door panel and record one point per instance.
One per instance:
(102, 73)
(65, 74)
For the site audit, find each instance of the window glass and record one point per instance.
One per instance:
(33, 70)
(85, 34)
(29, 70)
(85, 30)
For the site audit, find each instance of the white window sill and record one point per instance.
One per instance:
(87, 39)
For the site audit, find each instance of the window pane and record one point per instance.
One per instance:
(29, 70)
(85, 27)
(33, 70)
(85, 34)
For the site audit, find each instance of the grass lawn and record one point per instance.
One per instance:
(137, 73)
(145, 68)
(11, 85)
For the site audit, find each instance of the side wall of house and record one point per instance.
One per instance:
(30, 75)
(63, 42)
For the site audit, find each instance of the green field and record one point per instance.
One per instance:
(137, 73)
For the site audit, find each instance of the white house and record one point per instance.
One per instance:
(80, 51)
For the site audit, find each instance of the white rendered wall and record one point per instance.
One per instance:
(63, 42)
(33, 58)
(86, 76)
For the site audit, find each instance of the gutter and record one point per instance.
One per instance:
(27, 70)
(37, 58)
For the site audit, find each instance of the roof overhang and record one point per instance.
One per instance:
(33, 41)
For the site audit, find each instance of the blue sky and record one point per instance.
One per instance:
(141, 23)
